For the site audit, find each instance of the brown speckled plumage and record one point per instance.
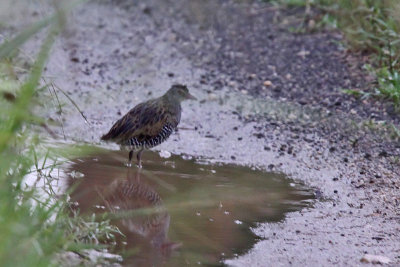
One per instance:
(149, 123)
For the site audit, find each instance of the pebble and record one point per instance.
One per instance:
(267, 83)
(303, 53)
(212, 97)
(165, 154)
(375, 259)
(96, 256)
(76, 174)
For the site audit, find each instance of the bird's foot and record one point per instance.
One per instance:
(139, 164)
(128, 164)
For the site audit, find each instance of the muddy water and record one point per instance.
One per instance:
(176, 211)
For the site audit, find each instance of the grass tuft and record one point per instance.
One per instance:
(369, 26)
(35, 227)
(389, 85)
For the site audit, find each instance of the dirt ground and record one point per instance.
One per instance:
(269, 98)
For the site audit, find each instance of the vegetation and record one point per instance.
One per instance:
(35, 226)
(369, 26)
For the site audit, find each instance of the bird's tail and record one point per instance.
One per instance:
(106, 137)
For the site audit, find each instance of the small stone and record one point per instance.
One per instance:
(303, 53)
(146, 10)
(165, 154)
(267, 83)
(375, 259)
(383, 154)
(212, 97)
(76, 174)
(259, 135)
(318, 194)
(302, 102)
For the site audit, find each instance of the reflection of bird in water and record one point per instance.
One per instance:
(133, 195)
(150, 123)
(141, 215)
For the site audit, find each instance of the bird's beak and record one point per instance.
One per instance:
(192, 97)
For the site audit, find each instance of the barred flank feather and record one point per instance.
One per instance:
(151, 141)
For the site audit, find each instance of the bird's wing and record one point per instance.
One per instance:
(143, 121)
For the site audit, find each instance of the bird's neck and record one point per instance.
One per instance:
(171, 100)
(174, 107)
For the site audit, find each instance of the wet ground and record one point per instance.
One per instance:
(269, 98)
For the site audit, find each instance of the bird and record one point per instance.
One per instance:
(150, 123)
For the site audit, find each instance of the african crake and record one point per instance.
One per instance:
(149, 123)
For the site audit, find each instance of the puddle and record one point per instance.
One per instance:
(178, 212)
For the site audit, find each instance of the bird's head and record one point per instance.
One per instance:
(179, 92)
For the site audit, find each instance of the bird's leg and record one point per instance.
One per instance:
(139, 158)
(130, 158)
(137, 175)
